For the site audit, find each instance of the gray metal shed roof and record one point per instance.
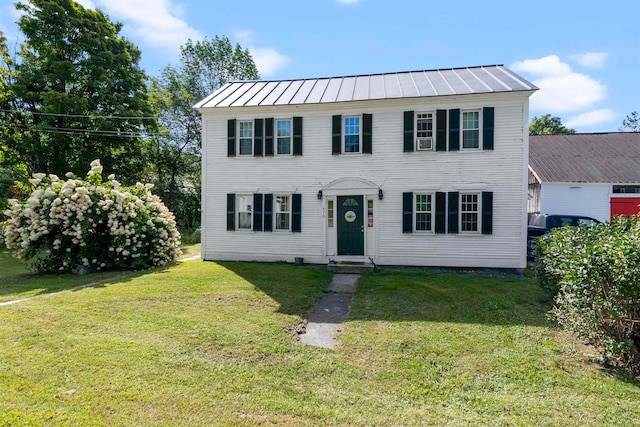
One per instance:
(409, 84)
(586, 157)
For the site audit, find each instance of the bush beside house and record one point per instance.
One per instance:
(85, 225)
(594, 274)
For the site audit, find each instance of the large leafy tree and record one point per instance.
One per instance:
(631, 123)
(76, 93)
(204, 66)
(547, 125)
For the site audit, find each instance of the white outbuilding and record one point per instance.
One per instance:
(424, 168)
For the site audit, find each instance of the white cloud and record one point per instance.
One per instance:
(561, 89)
(348, 1)
(590, 59)
(158, 23)
(267, 59)
(87, 4)
(591, 118)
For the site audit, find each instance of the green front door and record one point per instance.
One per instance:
(350, 225)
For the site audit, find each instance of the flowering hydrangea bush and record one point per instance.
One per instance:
(84, 225)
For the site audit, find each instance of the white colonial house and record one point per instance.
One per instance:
(424, 168)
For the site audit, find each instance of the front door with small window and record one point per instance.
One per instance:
(350, 225)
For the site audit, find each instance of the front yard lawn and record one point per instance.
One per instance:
(205, 343)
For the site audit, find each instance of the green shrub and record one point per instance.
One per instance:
(594, 273)
(84, 225)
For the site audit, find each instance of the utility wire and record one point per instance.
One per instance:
(89, 116)
(71, 131)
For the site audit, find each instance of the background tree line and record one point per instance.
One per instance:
(74, 91)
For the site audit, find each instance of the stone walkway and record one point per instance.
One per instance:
(324, 322)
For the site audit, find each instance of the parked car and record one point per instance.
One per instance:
(541, 224)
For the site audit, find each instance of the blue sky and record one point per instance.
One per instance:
(584, 55)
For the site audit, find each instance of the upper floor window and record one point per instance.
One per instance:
(283, 212)
(352, 134)
(245, 138)
(469, 213)
(424, 131)
(283, 137)
(622, 189)
(423, 212)
(470, 130)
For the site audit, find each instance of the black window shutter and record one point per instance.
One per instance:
(231, 212)
(487, 128)
(441, 130)
(487, 212)
(297, 136)
(268, 212)
(367, 139)
(453, 212)
(336, 136)
(454, 129)
(407, 212)
(258, 137)
(231, 138)
(268, 137)
(441, 212)
(257, 212)
(408, 132)
(296, 213)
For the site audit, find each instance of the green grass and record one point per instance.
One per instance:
(204, 343)
(18, 280)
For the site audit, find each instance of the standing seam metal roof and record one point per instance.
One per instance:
(408, 84)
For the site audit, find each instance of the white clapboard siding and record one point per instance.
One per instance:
(502, 171)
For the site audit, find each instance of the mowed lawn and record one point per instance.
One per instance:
(203, 343)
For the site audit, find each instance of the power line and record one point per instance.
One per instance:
(86, 116)
(72, 131)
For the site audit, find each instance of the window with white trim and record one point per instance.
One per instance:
(425, 139)
(351, 126)
(423, 212)
(369, 212)
(244, 211)
(470, 130)
(245, 138)
(469, 213)
(283, 137)
(330, 213)
(283, 212)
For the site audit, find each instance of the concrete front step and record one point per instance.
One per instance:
(350, 267)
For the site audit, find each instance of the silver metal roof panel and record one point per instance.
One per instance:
(376, 87)
(303, 92)
(331, 92)
(318, 90)
(289, 93)
(408, 84)
(361, 90)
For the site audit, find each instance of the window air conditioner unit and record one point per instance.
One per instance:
(425, 143)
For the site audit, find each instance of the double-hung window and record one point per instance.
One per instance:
(352, 134)
(245, 138)
(469, 213)
(283, 212)
(424, 212)
(244, 211)
(470, 130)
(424, 131)
(283, 137)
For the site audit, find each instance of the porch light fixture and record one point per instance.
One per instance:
(380, 194)
(320, 195)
